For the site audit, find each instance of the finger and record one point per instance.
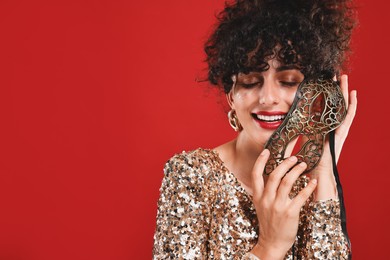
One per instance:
(257, 174)
(342, 131)
(277, 174)
(304, 195)
(351, 108)
(288, 181)
(344, 87)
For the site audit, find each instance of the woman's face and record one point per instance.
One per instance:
(262, 99)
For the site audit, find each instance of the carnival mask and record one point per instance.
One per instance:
(318, 108)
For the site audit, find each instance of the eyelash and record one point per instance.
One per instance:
(284, 83)
(250, 85)
(289, 84)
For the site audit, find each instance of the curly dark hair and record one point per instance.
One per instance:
(311, 34)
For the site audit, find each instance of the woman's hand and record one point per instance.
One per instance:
(324, 171)
(278, 215)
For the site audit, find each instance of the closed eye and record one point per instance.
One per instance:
(249, 85)
(289, 83)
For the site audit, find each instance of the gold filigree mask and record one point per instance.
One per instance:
(318, 108)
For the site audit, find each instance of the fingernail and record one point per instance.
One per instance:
(293, 158)
(302, 164)
(264, 152)
(314, 181)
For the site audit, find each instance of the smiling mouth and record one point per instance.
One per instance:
(265, 118)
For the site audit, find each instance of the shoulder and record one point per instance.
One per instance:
(193, 167)
(199, 159)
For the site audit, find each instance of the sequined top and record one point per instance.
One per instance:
(205, 213)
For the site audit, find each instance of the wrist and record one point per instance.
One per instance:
(326, 186)
(267, 253)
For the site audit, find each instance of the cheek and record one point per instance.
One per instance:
(289, 96)
(244, 102)
(243, 96)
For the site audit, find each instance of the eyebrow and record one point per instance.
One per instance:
(287, 67)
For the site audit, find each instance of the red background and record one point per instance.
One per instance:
(96, 95)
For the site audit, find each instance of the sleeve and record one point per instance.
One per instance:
(319, 233)
(183, 213)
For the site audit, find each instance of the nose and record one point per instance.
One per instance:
(269, 94)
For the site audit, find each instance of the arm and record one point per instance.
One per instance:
(321, 225)
(319, 232)
(182, 217)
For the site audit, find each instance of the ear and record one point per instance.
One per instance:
(229, 96)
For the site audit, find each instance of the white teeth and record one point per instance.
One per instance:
(271, 118)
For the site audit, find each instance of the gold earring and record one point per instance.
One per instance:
(233, 121)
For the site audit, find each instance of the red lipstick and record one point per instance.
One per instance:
(269, 119)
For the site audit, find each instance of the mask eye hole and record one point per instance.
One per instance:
(317, 107)
(298, 145)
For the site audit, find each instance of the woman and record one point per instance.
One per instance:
(216, 203)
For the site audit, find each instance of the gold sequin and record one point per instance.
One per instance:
(204, 213)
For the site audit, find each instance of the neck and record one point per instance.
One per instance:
(244, 153)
